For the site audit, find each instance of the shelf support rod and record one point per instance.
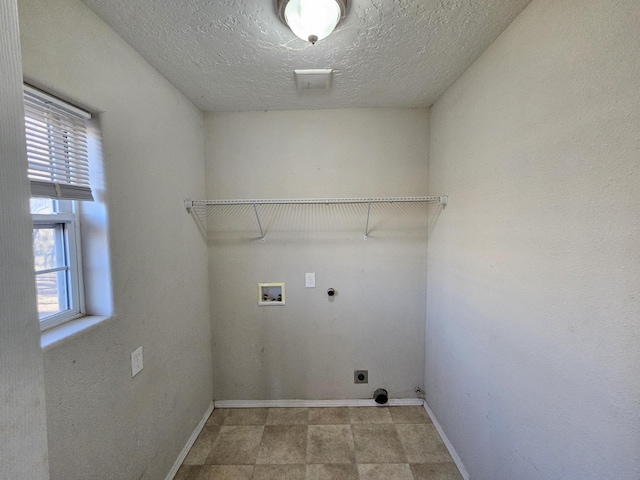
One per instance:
(366, 228)
(255, 209)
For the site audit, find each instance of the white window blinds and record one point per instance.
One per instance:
(58, 159)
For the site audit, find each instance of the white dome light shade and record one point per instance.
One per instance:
(312, 20)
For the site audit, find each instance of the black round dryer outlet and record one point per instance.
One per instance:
(381, 396)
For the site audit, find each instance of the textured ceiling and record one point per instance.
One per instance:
(234, 55)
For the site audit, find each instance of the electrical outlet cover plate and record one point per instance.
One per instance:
(361, 376)
(310, 280)
(136, 361)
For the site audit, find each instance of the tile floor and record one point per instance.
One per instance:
(319, 444)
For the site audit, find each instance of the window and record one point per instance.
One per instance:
(58, 269)
(58, 168)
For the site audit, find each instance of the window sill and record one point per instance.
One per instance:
(58, 334)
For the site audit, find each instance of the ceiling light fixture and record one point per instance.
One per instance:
(311, 20)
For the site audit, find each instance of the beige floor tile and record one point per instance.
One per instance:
(261, 444)
(279, 472)
(332, 472)
(329, 416)
(217, 416)
(385, 471)
(377, 443)
(436, 471)
(330, 444)
(202, 446)
(236, 445)
(412, 414)
(226, 472)
(288, 416)
(188, 472)
(422, 443)
(370, 415)
(283, 444)
(246, 416)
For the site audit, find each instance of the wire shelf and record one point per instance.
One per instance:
(199, 209)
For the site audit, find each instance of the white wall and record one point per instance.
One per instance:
(101, 422)
(532, 352)
(23, 444)
(309, 348)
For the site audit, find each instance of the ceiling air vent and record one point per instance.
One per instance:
(314, 79)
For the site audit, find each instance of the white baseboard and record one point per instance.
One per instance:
(452, 451)
(189, 444)
(358, 402)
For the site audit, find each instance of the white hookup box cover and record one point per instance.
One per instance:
(313, 79)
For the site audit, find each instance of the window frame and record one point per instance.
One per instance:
(66, 217)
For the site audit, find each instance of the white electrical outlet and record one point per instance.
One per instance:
(310, 280)
(136, 361)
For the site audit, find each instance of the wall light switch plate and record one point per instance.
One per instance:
(310, 280)
(136, 361)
